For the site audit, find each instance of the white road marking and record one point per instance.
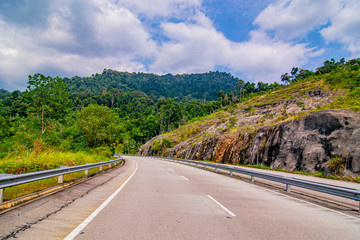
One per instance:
(171, 170)
(185, 178)
(226, 210)
(79, 228)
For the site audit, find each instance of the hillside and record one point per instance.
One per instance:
(49, 110)
(199, 86)
(278, 130)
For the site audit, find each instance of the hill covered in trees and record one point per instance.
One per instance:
(74, 114)
(294, 127)
(197, 86)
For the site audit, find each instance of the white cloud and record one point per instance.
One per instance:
(345, 27)
(163, 8)
(295, 18)
(193, 48)
(336, 20)
(75, 40)
(199, 47)
(81, 37)
(119, 30)
(264, 59)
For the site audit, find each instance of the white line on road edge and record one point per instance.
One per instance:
(227, 210)
(79, 228)
(185, 178)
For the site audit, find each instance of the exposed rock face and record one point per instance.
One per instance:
(306, 144)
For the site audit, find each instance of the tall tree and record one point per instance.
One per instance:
(240, 84)
(46, 99)
(286, 78)
(99, 124)
(294, 72)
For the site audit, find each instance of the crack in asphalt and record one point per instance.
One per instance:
(30, 224)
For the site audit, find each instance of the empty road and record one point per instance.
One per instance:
(154, 199)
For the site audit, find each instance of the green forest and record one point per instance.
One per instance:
(202, 86)
(120, 111)
(119, 118)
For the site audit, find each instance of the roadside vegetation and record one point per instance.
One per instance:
(76, 120)
(335, 85)
(33, 161)
(44, 158)
(107, 111)
(341, 80)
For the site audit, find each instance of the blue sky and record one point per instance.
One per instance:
(252, 39)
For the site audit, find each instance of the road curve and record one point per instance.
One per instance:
(171, 201)
(165, 200)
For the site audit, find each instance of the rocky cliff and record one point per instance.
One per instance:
(305, 144)
(282, 129)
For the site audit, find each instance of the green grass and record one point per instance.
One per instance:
(32, 161)
(32, 187)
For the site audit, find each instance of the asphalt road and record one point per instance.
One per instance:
(164, 200)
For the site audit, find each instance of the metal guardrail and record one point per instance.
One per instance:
(13, 180)
(289, 181)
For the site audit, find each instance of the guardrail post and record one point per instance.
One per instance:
(86, 170)
(61, 177)
(110, 165)
(230, 172)
(100, 168)
(288, 188)
(252, 179)
(2, 190)
(216, 169)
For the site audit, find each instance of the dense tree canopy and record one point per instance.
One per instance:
(99, 124)
(199, 86)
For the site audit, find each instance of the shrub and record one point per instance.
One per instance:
(300, 104)
(249, 109)
(119, 148)
(155, 146)
(102, 151)
(166, 143)
(232, 121)
(337, 165)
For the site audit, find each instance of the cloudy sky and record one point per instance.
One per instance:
(257, 40)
